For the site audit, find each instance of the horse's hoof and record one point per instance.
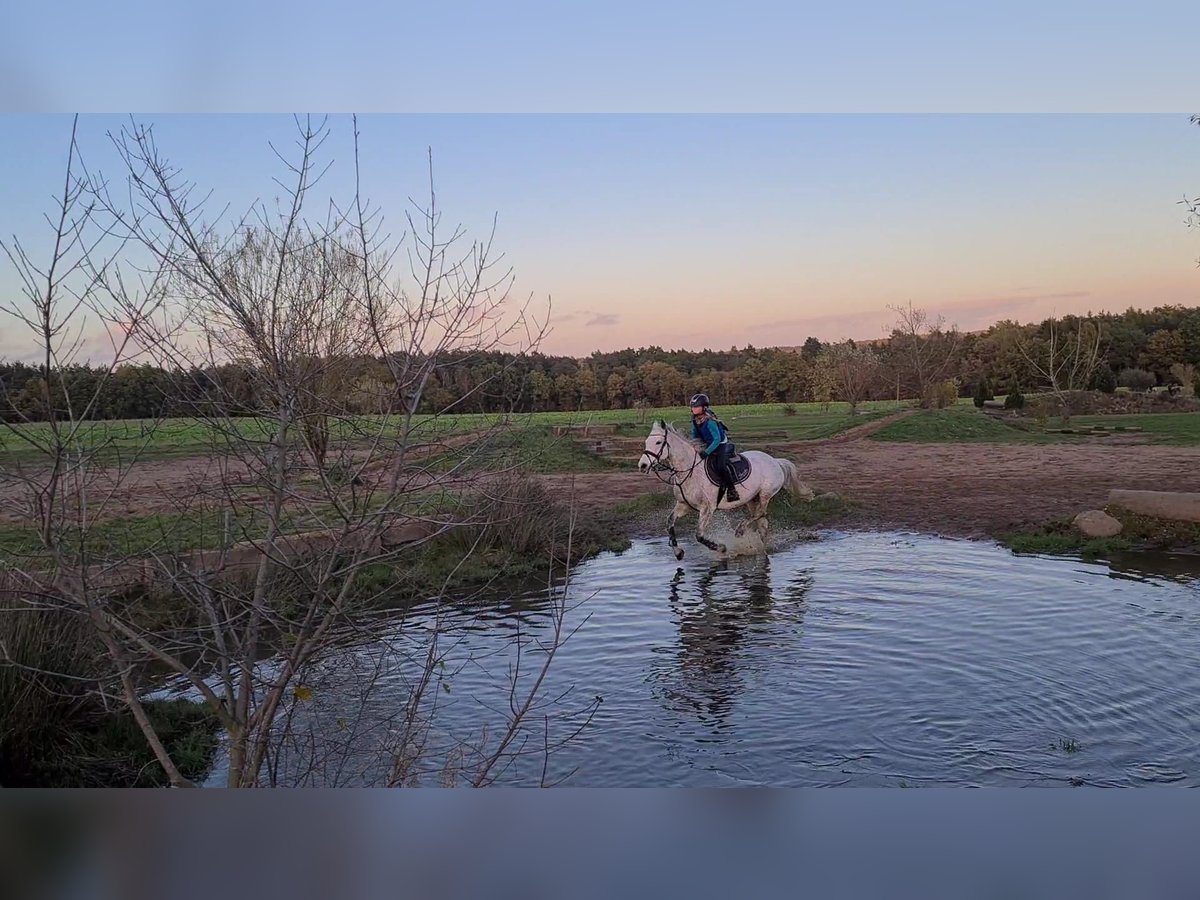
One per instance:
(679, 553)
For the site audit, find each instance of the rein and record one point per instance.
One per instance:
(658, 457)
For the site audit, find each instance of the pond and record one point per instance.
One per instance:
(857, 659)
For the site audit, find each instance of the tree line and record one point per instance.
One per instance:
(1140, 348)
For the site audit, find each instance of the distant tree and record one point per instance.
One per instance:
(924, 350)
(1163, 349)
(853, 370)
(615, 389)
(983, 391)
(812, 349)
(822, 381)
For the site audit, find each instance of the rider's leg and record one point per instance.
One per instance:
(726, 472)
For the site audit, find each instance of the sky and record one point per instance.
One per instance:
(620, 55)
(695, 230)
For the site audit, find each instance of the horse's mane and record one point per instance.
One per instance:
(671, 429)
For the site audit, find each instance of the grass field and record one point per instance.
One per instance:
(165, 533)
(190, 437)
(749, 424)
(961, 424)
(755, 425)
(1180, 429)
(964, 424)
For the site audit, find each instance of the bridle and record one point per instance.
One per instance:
(661, 455)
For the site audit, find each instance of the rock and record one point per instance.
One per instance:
(1097, 524)
(1174, 505)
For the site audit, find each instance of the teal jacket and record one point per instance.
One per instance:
(709, 431)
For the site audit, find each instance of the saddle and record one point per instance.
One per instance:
(739, 464)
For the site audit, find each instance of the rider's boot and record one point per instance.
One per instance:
(731, 485)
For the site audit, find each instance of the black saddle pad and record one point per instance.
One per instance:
(741, 469)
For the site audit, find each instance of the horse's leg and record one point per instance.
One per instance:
(760, 516)
(706, 517)
(681, 509)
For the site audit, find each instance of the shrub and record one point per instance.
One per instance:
(983, 392)
(1136, 379)
(789, 409)
(1015, 399)
(49, 673)
(941, 395)
(1105, 381)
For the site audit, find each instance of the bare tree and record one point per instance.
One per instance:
(308, 496)
(923, 351)
(1192, 204)
(1185, 373)
(1065, 359)
(53, 464)
(855, 370)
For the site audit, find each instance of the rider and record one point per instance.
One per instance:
(708, 428)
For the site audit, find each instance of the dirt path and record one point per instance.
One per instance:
(858, 432)
(974, 490)
(968, 490)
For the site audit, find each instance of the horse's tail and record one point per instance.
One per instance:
(794, 485)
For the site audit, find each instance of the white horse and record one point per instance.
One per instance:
(669, 451)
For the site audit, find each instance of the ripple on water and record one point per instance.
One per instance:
(857, 659)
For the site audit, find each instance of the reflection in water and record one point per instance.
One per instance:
(1149, 567)
(720, 611)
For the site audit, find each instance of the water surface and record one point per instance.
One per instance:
(859, 659)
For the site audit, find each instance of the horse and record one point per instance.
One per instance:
(668, 450)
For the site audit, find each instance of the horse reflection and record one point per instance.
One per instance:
(727, 615)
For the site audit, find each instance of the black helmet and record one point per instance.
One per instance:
(700, 400)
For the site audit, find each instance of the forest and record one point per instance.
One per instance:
(1138, 349)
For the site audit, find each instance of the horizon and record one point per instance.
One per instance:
(715, 231)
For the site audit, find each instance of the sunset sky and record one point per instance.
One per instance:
(719, 230)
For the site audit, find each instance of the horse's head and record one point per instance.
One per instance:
(657, 450)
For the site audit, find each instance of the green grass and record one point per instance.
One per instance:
(787, 512)
(767, 426)
(964, 424)
(133, 536)
(155, 533)
(534, 449)
(117, 754)
(961, 424)
(1139, 534)
(1051, 541)
(810, 424)
(190, 437)
(108, 749)
(1179, 429)
(126, 438)
(137, 535)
